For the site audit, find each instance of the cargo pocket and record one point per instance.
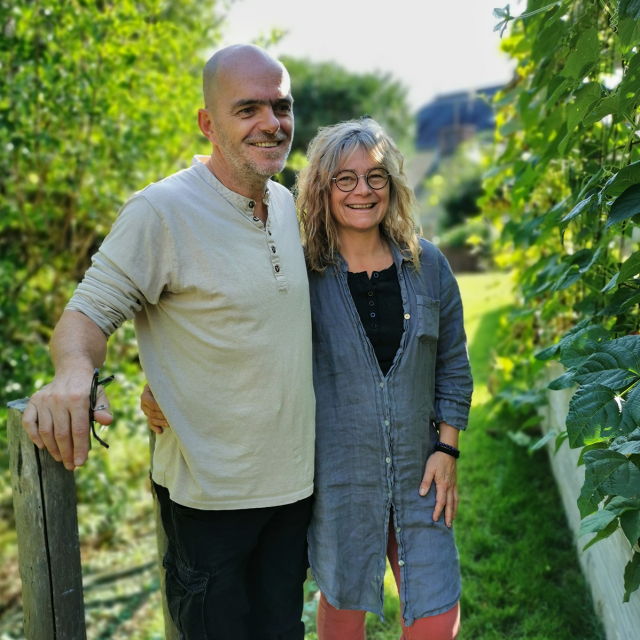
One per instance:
(185, 597)
(428, 319)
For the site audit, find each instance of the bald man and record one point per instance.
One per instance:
(209, 265)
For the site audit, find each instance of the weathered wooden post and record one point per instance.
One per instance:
(44, 501)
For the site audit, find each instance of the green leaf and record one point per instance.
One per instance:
(629, 9)
(628, 33)
(627, 445)
(576, 348)
(590, 447)
(630, 267)
(596, 522)
(563, 382)
(607, 473)
(548, 353)
(631, 576)
(610, 529)
(625, 206)
(543, 441)
(596, 414)
(579, 208)
(584, 57)
(585, 99)
(605, 107)
(630, 523)
(557, 87)
(629, 88)
(562, 436)
(621, 181)
(615, 364)
(612, 283)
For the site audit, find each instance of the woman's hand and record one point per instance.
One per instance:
(151, 409)
(441, 467)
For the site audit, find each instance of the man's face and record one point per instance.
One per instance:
(252, 120)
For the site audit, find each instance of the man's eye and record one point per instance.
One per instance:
(285, 108)
(246, 111)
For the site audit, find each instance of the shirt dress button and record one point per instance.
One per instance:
(386, 423)
(371, 303)
(407, 316)
(256, 219)
(382, 385)
(401, 563)
(276, 269)
(370, 293)
(251, 204)
(398, 529)
(388, 460)
(373, 315)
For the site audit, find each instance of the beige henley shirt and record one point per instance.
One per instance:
(220, 304)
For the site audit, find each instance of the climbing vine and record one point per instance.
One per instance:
(563, 189)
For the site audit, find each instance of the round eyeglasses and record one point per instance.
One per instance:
(348, 180)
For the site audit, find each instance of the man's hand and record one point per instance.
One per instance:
(441, 467)
(151, 409)
(57, 416)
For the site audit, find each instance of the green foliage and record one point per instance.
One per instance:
(564, 193)
(326, 93)
(96, 101)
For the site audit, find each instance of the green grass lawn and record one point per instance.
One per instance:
(520, 573)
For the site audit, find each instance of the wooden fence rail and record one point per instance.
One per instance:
(44, 500)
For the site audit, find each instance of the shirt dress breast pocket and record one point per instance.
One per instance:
(428, 319)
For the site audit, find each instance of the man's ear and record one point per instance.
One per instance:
(206, 125)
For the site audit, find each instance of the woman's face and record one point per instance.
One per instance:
(363, 208)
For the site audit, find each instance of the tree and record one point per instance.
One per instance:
(326, 93)
(97, 99)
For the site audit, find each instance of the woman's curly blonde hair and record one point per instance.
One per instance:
(327, 151)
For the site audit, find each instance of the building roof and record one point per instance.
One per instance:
(464, 109)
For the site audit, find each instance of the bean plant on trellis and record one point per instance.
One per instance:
(564, 191)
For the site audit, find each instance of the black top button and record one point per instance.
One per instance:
(373, 315)
(370, 293)
(375, 274)
(371, 303)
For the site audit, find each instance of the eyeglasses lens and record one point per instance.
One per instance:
(347, 180)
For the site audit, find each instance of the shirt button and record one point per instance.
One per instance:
(373, 315)
(251, 204)
(375, 274)
(256, 219)
(398, 529)
(401, 563)
(386, 423)
(407, 316)
(371, 303)
(370, 293)
(388, 460)
(375, 326)
(273, 249)
(382, 385)
(277, 269)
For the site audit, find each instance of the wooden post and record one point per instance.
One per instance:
(44, 500)
(170, 630)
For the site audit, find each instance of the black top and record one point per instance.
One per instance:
(379, 304)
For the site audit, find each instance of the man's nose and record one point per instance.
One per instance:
(269, 122)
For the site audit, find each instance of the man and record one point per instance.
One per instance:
(208, 262)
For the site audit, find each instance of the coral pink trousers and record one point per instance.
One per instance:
(344, 624)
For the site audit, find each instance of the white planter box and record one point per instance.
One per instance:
(603, 564)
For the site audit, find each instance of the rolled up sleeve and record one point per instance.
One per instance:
(454, 384)
(132, 268)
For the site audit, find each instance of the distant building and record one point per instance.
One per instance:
(453, 118)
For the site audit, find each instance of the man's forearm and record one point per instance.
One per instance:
(77, 342)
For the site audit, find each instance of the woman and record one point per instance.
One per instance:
(393, 389)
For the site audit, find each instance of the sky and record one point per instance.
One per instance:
(431, 46)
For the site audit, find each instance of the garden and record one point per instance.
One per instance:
(98, 99)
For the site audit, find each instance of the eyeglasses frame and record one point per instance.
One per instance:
(93, 395)
(366, 179)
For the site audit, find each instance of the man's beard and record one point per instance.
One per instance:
(249, 167)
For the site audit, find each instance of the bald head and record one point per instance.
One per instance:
(232, 61)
